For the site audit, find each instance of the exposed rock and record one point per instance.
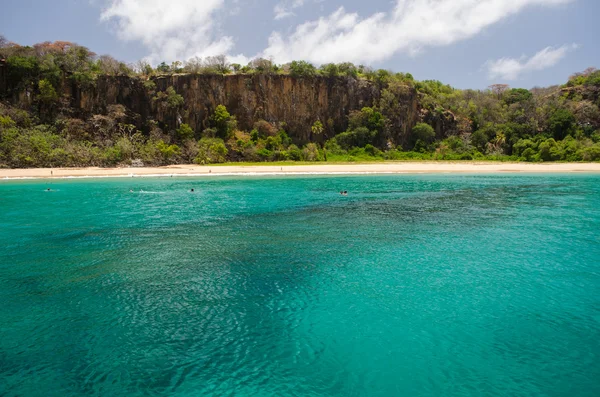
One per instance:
(297, 102)
(443, 122)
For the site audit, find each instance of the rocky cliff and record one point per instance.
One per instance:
(297, 102)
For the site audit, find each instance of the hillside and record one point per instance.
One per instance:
(61, 105)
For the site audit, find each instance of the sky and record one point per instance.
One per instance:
(465, 43)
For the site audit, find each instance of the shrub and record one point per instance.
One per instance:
(373, 151)
(264, 129)
(264, 154)
(149, 85)
(522, 145)
(590, 153)
(359, 137)
(311, 152)
(330, 70)
(168, 152)
(211, 150)
(333, 147)
(548, 150)
(185, 132)
(6, 122)
(294, 153)
(170, 98)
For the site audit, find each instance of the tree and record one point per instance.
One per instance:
(499, 89)
(518, 95)
(382, 77)
(302, 69)
(264, 129)
(375, 120)
(109, 65)
(174, 100)
(185, 132)
(263, 66)
(22, 69)
(479, 139)
(163, 68)
(211, 150)
(317, 128)
(143, 67)
(423, 132)
(348, 69)
(498, 142)
(547, 150)
(193, 65)
(561, 124)
(223, 122)
(311, 152)
(366, 117)
(330, 70)
(217, 64)
(48, 94)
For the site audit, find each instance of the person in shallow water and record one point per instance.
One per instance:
(192, 190)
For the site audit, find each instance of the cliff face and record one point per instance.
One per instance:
(297, 102)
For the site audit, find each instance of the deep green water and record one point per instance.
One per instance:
(421, 285)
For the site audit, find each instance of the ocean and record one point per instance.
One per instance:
(411, 285)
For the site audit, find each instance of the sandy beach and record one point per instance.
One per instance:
(375, 168)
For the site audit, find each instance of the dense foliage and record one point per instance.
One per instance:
(560, 123)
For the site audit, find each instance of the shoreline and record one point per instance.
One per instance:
(422, 167)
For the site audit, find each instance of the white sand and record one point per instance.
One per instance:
(319, 168)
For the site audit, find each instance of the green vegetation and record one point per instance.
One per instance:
(560, 123)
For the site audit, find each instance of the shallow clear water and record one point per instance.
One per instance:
(411, 285)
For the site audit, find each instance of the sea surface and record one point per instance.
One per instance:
(411, 285)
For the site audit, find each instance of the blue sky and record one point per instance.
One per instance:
(466, 43)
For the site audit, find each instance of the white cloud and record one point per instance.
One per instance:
(511, 68)
(172, 29)
(284, 9)
(409, 27)
(181, 29)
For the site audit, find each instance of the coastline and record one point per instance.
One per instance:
(293, 169)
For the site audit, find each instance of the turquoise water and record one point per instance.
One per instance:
(414, 285)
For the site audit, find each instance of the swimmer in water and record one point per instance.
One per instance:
(130, 190)
(48, 189)
(192, 190)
